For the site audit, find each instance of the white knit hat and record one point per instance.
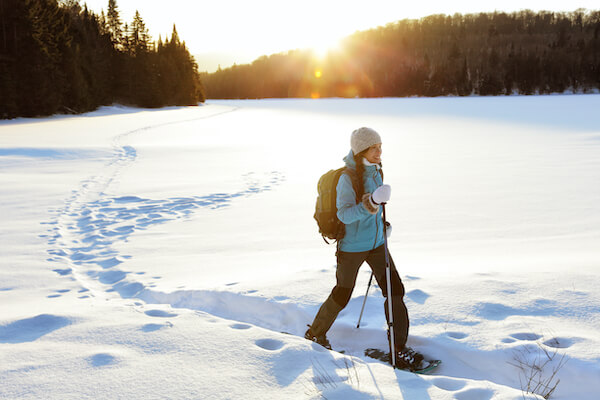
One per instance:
(363, 138)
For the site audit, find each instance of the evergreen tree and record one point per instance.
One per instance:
(179, 81)
(43, 39)
(142, 69)
(139, 39)
(114, 24)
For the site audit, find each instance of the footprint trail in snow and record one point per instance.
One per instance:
(82, 239)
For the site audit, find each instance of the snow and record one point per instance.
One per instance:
(172, 253)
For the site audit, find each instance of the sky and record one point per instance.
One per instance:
(223, 32)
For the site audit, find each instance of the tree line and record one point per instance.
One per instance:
(59, 57)
(475, 54)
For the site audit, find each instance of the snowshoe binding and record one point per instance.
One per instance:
(409, 359)
(321, 339)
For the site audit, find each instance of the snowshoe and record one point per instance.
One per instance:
(406, 360)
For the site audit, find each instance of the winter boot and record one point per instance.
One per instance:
(409, 359)
(322, 339)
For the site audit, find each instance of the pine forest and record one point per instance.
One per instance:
(460, 55)
(59, 57)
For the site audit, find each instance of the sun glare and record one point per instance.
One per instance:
(324, 46)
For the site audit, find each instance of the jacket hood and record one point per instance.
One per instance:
(349, 160)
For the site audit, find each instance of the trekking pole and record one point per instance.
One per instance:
(388, 278)
(364, 301)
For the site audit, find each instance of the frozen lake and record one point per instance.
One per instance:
(164, 251)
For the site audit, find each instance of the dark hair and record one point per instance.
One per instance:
(360, 171)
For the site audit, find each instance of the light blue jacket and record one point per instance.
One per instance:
(364, 231)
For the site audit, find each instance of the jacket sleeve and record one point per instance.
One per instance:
(348, 210)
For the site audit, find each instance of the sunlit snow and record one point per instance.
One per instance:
(172, 253)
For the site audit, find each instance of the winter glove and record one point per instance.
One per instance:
(388, 229)
(371, 201)
(382, 194)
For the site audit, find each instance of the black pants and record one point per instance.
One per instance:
(348, 265)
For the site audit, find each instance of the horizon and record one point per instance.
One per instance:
(221, 35)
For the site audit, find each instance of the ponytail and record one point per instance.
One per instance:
(360, 171)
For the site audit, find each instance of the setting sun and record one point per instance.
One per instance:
(321, 47)
(318, 73)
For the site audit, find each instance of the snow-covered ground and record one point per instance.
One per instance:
(160, 254)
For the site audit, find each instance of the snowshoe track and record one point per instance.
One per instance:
(83, 234)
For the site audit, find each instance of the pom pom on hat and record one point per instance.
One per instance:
(363, 138)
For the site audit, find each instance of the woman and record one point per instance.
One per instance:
(364, 241)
